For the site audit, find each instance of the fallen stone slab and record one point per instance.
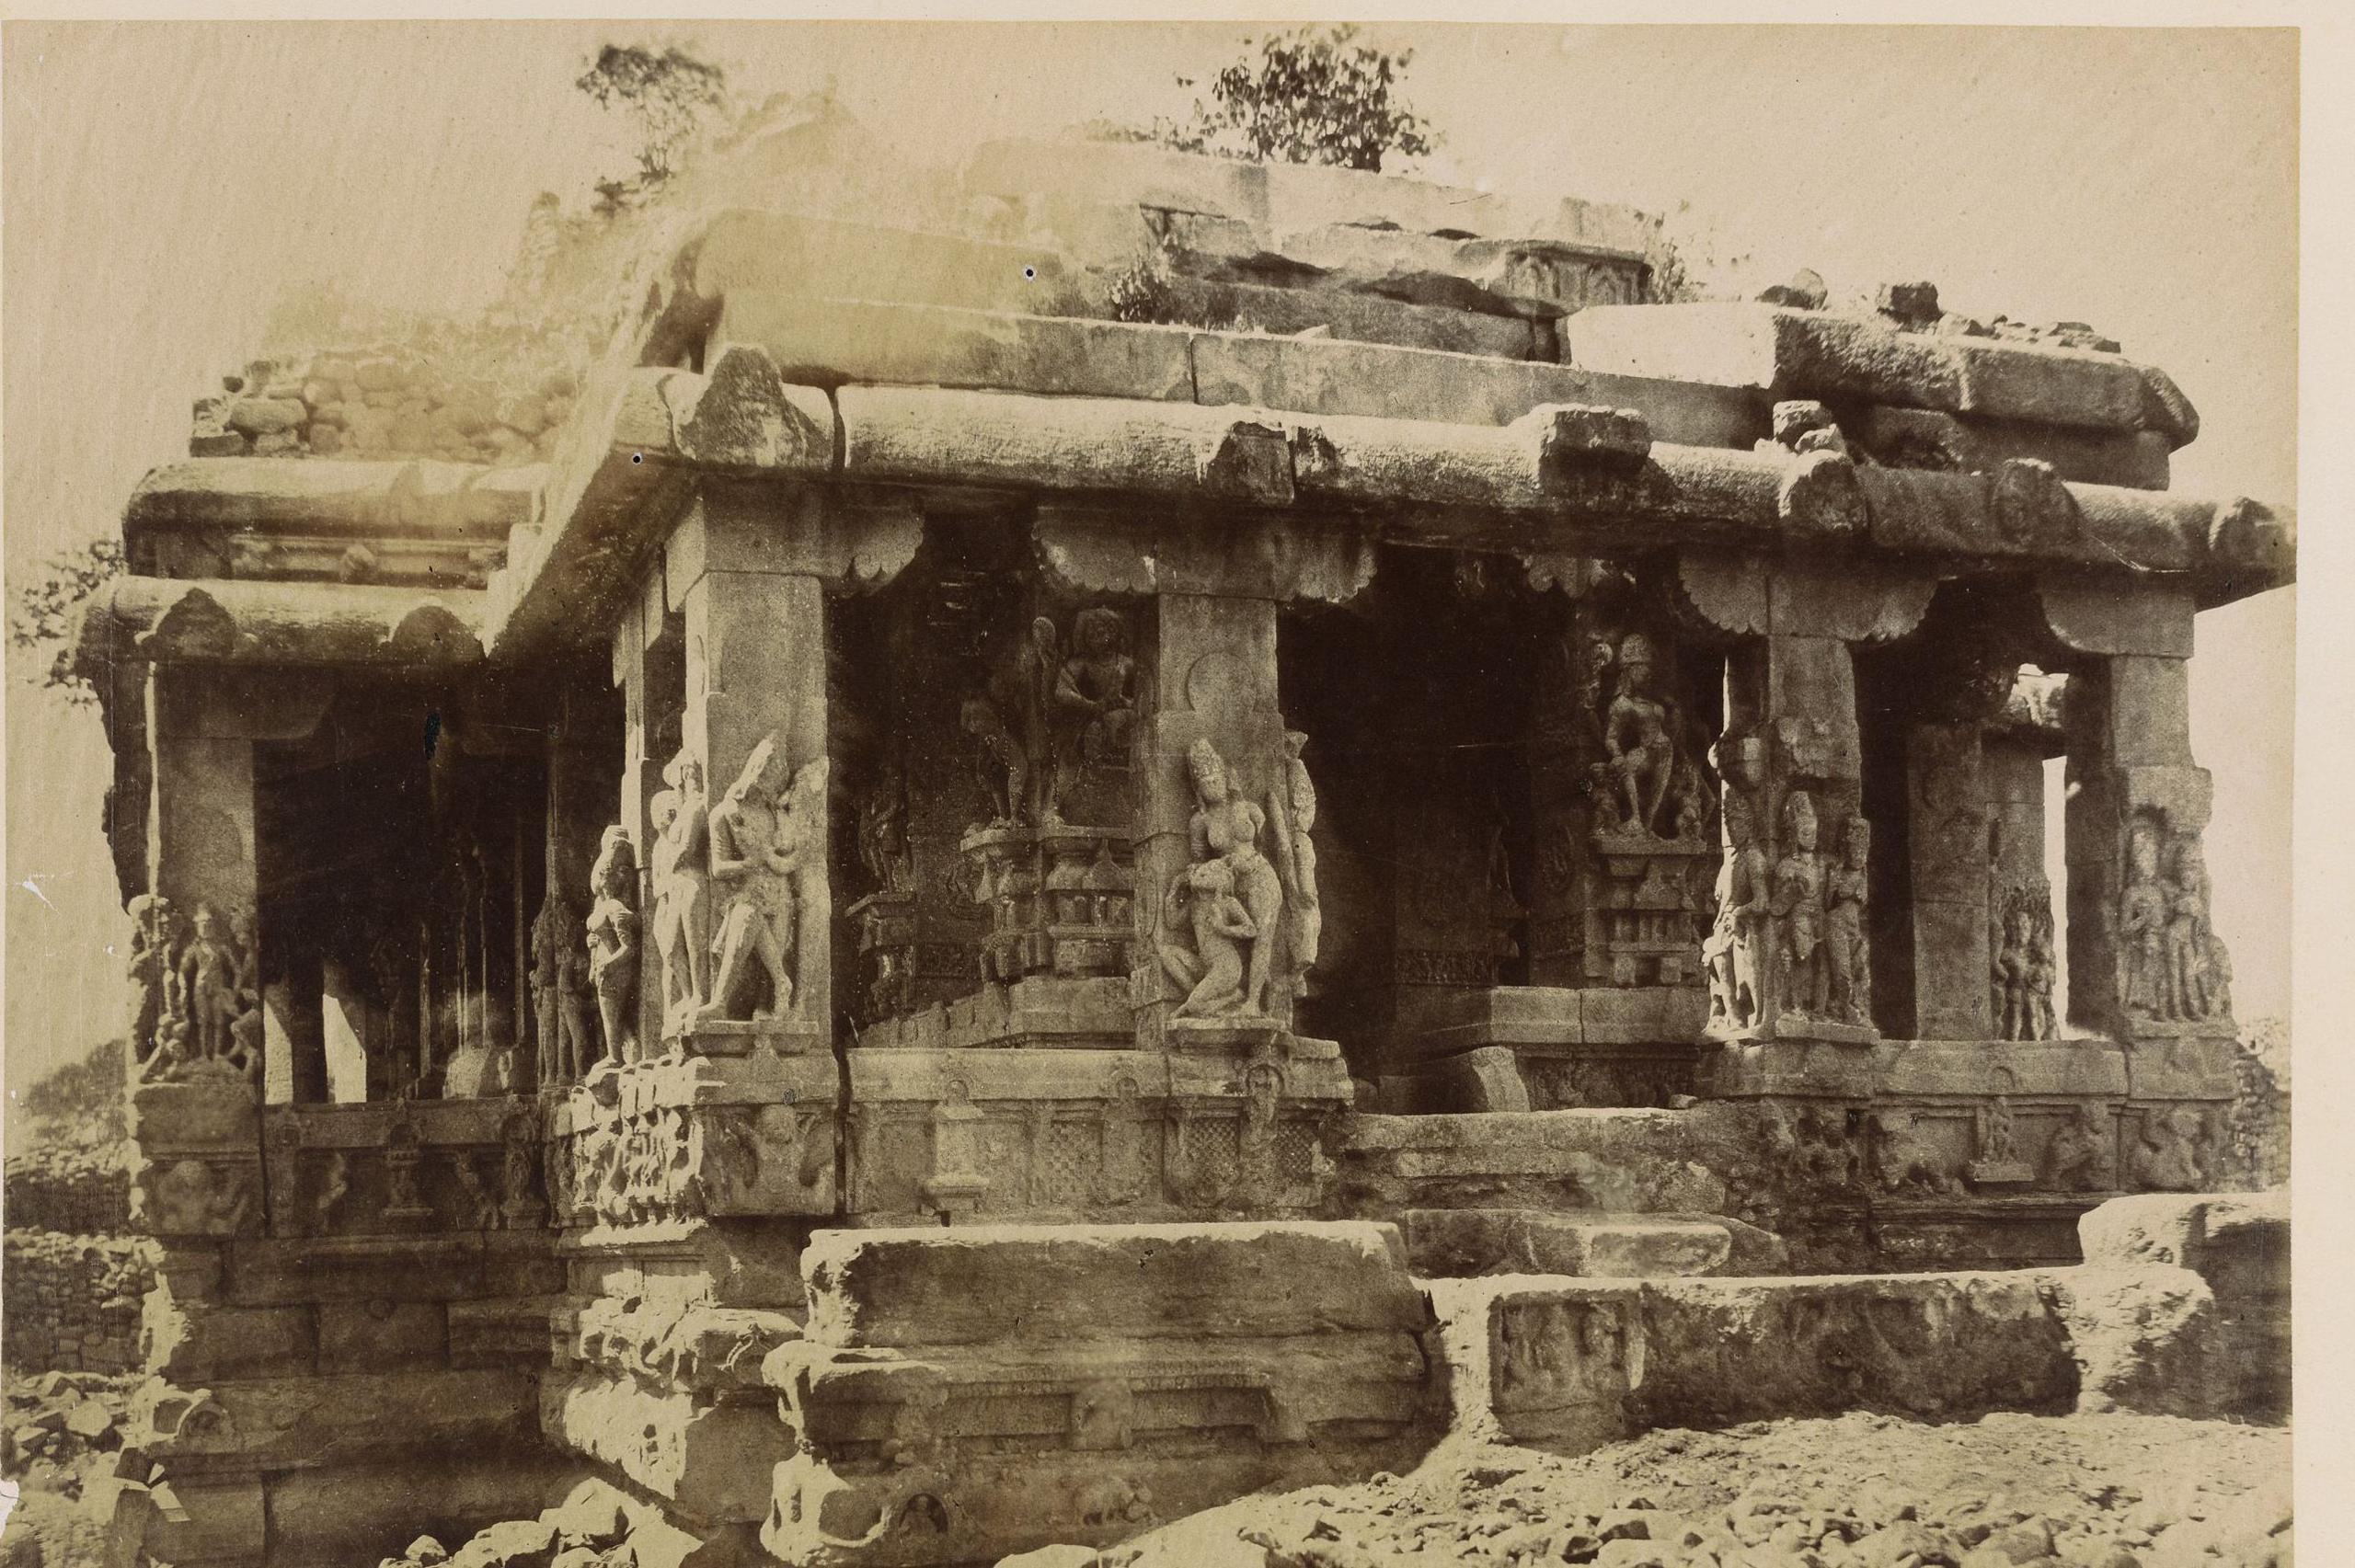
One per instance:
(1461, 1243)
(1056, 1283)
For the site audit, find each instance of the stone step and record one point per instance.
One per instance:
(1458, 1243)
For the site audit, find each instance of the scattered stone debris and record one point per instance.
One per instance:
(1862, 1491)
(61, 1439)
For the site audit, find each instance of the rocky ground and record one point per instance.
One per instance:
(58, 1440)
(1858, 1492)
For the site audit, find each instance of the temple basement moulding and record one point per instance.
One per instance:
(906, 934)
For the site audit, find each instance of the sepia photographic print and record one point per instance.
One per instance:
(1228, 794)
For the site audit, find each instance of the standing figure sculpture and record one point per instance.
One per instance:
(1735, 952)
(682, 894)
(2142, 917)
(613, 937)
(883, 832)
(763, 832)
(1637, 738)
(1848, 947)
(209, 976)
(151, 958)
(1225, 826)
(560, 989)
(2189, 972)
(2037, 973)
(1292, 814)
(1000, 762)
(1802, 973)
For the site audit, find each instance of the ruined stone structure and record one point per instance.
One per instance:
(907, 948)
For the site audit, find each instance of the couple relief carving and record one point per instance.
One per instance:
(724, 925)
(1241, 923)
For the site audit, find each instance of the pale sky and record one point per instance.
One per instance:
(165, 181)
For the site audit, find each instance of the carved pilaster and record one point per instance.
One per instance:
(1228, 914)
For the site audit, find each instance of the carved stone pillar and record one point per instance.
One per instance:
(197, 1017)
(747, 569)
(2146, 966)
(1789, 957)
(1216, 753)
(1947, 816)
(2022, 949)
(580, 805)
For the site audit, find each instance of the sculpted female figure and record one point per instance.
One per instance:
(759, 839)
(1736, 945)
(2187, 939)
(1226, 827)
(1802, 971)
(2142, 927)
(683, 895)
(1846, 945)
(614, 938)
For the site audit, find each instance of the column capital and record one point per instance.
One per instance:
(854, 544)
(1856, 600)
(1092, 550)
(2105, 617)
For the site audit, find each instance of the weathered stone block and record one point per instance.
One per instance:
(274, 1272)
(1807, 353)
(1328, 376)
(1057, 1283)
(1461, 1243)
(357, 1336)
(711, 1460)
(225, 1520)
(370, 1511)
(192, 1342)
(827, 342)
(746, 251)
(272, 1422)
(1925, 439)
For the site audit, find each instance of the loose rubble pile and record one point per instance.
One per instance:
(389, 402)
(62, 1432)
(595, 1527)
(1914, 307)
(1858, 1492)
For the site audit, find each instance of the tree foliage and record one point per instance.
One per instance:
(81, 1102)
(675, 100)
(1316, 96)
(43, 617)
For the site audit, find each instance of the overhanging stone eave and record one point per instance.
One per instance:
(224, 622)
(403, 497)
(1559, 478)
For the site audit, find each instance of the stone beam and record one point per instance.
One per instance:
(1792, 353)
(321, 495)
(1562, 477)
(221, 622)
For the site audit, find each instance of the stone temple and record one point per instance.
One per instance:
(976, 894)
